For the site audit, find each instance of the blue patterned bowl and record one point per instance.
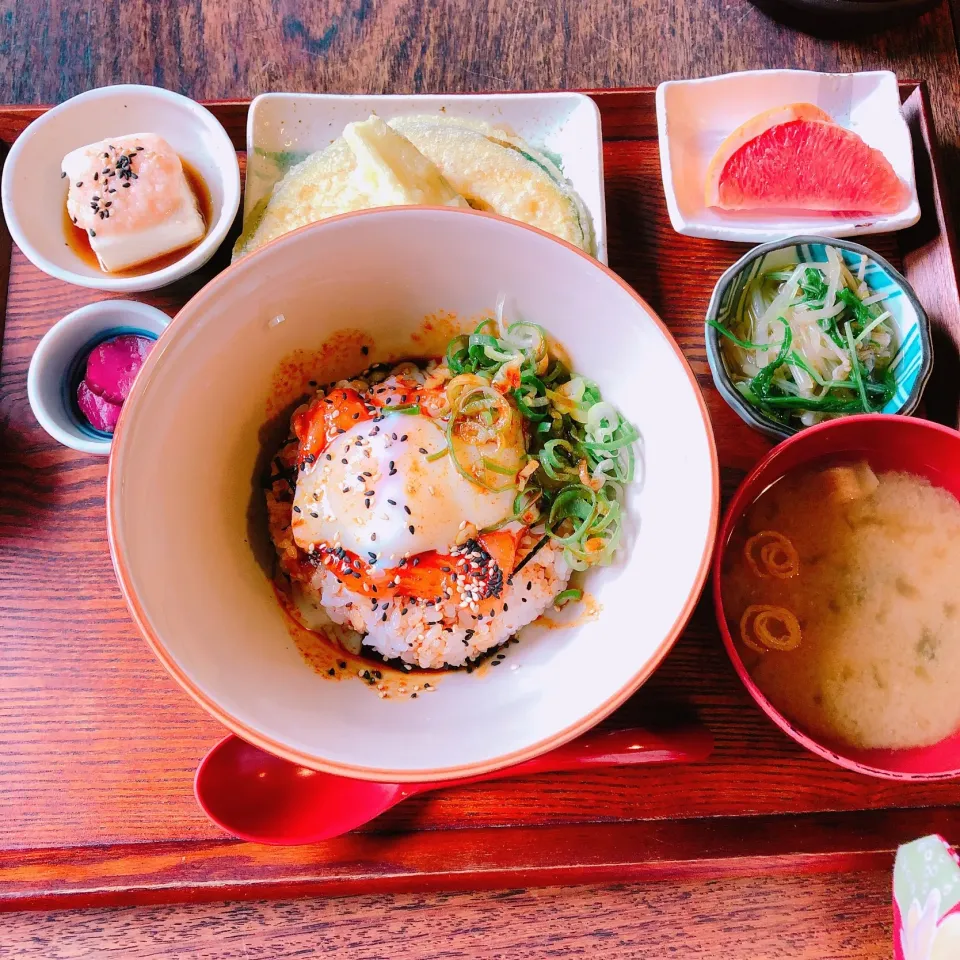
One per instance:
(911, 365)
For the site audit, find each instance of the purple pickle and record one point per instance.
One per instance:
(114, 364)
(102, 414)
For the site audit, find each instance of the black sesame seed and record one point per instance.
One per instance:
(74, 219)
(344, 460)
(79, 183)
(63, 173)
(404, 437)
(373, 536)
(93, 233)
(423, 451)
(505, 608)
(331, 672)
(342, 664)
(96, 176)
(413, 696)
(296, 509)
(356, 416)
(407, 509)
(392, 503)
(126, 185)
(411, 528)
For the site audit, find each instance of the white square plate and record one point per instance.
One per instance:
(566, 126)
(695, 116)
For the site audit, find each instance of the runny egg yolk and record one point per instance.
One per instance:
(381, 492)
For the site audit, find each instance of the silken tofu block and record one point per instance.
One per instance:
(131, 196)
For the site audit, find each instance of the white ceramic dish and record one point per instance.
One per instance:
(182, 475)
(34, 195)
(695, 116)
(564, 125)
(48, 379)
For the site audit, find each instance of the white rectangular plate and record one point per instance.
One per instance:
(564, 125)
(695, 116)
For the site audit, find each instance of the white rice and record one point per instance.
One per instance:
(443, 634)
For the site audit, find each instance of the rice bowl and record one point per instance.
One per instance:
(192, 569)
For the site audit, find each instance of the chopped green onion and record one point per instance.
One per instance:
(569, 431)
(566, 596)
(497, 468)
(437, 454)
(412, 409)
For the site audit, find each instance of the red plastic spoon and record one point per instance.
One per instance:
(259, 797)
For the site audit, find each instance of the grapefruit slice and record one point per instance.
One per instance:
(796, 158)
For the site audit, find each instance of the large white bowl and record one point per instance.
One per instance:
(182, 475)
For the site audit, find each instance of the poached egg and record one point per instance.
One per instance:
(378, 491)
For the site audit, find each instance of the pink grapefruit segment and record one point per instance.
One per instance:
(796, 158)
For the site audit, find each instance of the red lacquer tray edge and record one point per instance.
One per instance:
(521, 856)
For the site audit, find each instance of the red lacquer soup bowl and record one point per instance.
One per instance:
(886, 443)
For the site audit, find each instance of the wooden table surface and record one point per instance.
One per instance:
(235, 48)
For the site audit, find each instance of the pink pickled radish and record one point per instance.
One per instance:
(102, 414)
(114, 364)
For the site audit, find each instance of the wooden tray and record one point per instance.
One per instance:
(98, 747)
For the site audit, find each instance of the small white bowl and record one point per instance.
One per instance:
(34, 194)
(695, 116)
(565, 125)
(50, 377)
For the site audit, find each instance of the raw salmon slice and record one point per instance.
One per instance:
(796, 158)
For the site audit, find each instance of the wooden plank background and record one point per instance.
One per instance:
(51, 49)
